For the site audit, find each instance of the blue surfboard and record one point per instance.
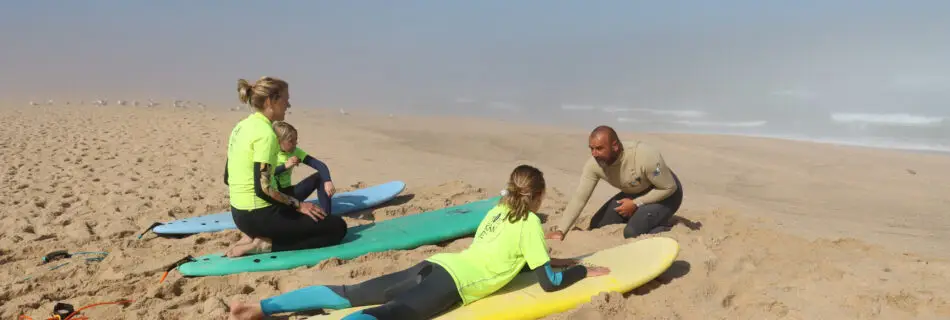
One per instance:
(343, 203)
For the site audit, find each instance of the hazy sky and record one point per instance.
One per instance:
(735, 57)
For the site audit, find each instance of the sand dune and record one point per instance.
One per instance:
(769, 229)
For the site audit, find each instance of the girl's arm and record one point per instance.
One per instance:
(318, 165)
(552, 281)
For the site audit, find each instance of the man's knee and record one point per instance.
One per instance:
(646, 220)
(632, 231)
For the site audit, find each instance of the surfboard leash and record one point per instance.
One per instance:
(155, 224)
(64, 254)
(65, 311)
(175, 265)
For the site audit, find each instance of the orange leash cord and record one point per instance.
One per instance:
(70, 316)
(177, 264)
(73, 316)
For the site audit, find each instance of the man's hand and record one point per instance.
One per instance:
(626, 208)
(563, 263)
(291, 162)
(554, 235)
(311, 210)
(328, 187)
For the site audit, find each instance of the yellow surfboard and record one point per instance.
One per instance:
(631, 265)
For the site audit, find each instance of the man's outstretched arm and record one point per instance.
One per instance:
(588, 181)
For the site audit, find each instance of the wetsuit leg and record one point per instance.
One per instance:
(245, 221)
(645, 219)
(289, 190)
(382, 289)
(649, 218)
(290, 230)
(607, 214)
(434, 294)
(306, 186)
(374, 291)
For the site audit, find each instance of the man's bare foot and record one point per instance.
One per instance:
(245, 311)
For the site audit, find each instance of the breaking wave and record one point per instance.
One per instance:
(888, 119)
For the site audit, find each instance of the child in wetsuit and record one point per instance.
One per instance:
(290, 156)
(508, 239)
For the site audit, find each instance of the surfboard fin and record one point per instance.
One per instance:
(150, 228)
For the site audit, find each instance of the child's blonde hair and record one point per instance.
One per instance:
(525, 186)
(284, 131)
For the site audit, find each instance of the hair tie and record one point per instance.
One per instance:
(504, 192)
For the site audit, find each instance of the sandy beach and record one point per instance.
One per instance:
(769, 229)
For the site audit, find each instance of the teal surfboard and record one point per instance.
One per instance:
(401, 233)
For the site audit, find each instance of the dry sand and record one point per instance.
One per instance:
(771, 229)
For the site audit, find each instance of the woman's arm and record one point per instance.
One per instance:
(264, 190)
(226, 172)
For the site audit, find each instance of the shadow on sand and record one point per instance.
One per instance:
(367, 214)
(678, 269)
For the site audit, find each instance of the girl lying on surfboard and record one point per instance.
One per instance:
(509, 239)
(271, 220)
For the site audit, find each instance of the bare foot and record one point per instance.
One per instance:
(245, 240)
(258, 245)
(240, 250)
(245, 311)
(261, 245)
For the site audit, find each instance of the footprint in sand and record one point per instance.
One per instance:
(360, 271)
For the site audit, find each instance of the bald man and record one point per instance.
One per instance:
(650, 193)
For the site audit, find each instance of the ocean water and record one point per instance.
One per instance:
(902, 130)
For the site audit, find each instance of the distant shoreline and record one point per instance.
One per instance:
(582, 125)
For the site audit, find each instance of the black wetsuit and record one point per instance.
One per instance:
(420, 292)
(283, 225)
(315, 181)
(650, 218)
